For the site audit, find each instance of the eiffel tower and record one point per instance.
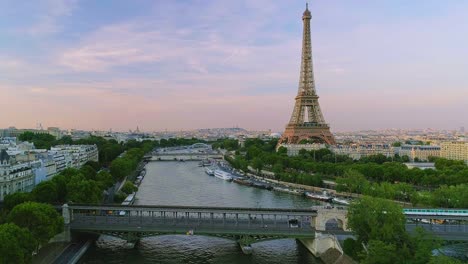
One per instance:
(307, 122)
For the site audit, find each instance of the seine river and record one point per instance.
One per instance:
(184, 183)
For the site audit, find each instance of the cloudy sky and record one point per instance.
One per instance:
(192, 64)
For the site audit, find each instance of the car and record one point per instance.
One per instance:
(293, 223)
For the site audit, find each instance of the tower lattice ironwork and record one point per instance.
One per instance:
(307, 122)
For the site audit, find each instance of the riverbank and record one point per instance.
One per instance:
(314, 189)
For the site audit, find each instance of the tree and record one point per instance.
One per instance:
(45, 192)
(42, 220)
(380, 252)
(120, 168)
(352, 181)
(352, 248)
(423, 244)
(129, 188)
(104, 179)
(377, 219)
(257, 164)
(11, 200)
(88, 171)
(16, 244)
(80, 190)
(61, 181)
(282, 151)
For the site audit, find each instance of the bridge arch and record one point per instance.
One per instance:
(331, 218)
(334, 224)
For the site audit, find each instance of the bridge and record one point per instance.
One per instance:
(186, 156)
(243, 225)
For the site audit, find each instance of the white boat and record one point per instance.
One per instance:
(340, 201)
(209, 171)
(223, 175)
(320, 197)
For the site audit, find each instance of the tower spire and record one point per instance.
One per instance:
(307, 121)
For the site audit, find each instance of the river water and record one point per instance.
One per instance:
(184, 183)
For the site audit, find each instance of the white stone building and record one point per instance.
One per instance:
(14, 177)
(420, 152)
(454, 150)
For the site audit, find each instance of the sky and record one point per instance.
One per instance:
(180, 65)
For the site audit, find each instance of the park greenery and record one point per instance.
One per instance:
(27, 226)
(379, 227)
(375, 175)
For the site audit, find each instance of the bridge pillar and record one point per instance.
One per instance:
(321, 243)
(65, 236)
(132, 240)
(244, 243)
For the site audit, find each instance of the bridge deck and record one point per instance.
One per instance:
(209, 221)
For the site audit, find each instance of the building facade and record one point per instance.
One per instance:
(357, 151)
(455, 150)
(21, 168)
(419, 152)
(14, 177)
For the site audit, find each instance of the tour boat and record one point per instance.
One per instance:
(209, 171)
(223, 175)
(340, 201)
(320, 197)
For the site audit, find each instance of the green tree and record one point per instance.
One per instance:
(88, 171)
(282, 151)
(120, 168)
(377, 219)
(11, 200)
(104, 179)
(60, 182)
(129, 188)
(42, 220)
(423, 244)
(16, 244)
(257, 163)
(45, 192)
(81, 190)
(352, 248)
(380, 252)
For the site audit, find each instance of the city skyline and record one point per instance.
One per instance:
(182, 66)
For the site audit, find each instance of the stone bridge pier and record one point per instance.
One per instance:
(327, 221)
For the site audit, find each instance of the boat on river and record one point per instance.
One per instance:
(261, 186)
(209, 171)
(320, 197)
(340, 201)
(223, 175)
(204, 163)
